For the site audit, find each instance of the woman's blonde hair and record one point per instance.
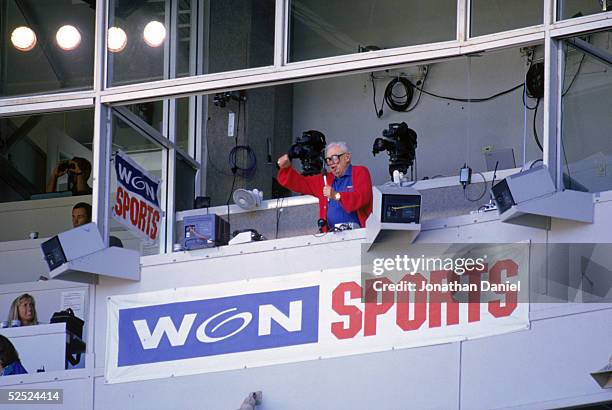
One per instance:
(14, 311)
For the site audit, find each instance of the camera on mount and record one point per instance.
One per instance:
(400, 143)
(309, 150)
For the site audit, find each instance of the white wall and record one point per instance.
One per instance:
(45, 216)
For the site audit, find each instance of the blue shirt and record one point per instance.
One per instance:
(14, 368)
(335, 213)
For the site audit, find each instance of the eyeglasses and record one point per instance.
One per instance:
(334, 159)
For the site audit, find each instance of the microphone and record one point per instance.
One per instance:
(324, 173)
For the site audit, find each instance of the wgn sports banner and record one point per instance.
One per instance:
(308, 316)
(137, 198)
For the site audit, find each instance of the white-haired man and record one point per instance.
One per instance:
(347, 197)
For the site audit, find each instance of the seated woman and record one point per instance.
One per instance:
(9, 359)
(23, 309)
(78, 170)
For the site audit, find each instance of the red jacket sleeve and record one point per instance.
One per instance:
(361, 196)
(291, 179)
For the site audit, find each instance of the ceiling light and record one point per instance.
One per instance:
(154, 33)
(117, 39)
(23, 38)
(68, 37)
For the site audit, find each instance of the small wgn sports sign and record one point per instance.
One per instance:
(137, 198)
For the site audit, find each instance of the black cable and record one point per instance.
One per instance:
(535, 131)
(575, 75)
(234, 170)
(420, 92)
(247, 171)
(377, 111)
(278, 214)
(569, 175)
(525, 102)
(484, 191)
(392, 100)
(471, 100)
(228, 201)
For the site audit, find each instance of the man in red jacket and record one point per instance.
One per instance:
(345, 197)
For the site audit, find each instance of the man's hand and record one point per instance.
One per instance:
(329, 192)
(57, 173)
(284, 161)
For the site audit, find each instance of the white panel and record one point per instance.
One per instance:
(22, 261)
(45, 216)
(550, 362)
(76, 386)
(421, 378)
(28, 341)
(599, 231)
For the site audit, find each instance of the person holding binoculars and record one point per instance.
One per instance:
(78, 170)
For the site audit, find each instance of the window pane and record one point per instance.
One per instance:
(39, 155)
(577, 8)
(186, 32)
(234, 35)
(33, 60)
(324, 28)
(148, 155)
(494, 16)
(151, 113)
(185, 184)
(184, 124)
(138, 58)
(587, 114)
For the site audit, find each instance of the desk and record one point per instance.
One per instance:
(40, 345)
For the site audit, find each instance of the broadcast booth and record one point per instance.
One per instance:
(144, 154)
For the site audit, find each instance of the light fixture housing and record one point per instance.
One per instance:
(23, 38)
(154, 34)
(116, 39)
(530, 198)
(68, 37)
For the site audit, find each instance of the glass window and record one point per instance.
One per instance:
(46, 157)
(150, 156)
(185, 185)
(489, 17)
(230, 36)
(151, 113)
(323, 28)
(48, 46)
(586, 113)
(37, 153)
(186, 35)
(243, 155)
(184, 124)
(577, 8)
